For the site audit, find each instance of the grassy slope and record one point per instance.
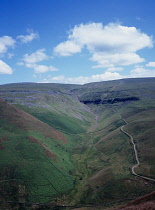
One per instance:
(53, 104)
(33, 158)
(102, 159)
(45, 167)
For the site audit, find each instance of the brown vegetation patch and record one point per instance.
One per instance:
(143, 206)
(1, 147)
(146, 114)
(35, 140)
(26, 122)
(2, 139)
(50, 154)
(145, 202)
(111, 134)
(46, 150)
(101, 178)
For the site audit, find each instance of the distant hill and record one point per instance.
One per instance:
(63, 145)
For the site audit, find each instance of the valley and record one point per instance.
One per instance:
(77, 145)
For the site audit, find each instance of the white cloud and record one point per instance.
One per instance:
(110, 45)
(142, 72)
(43, 68)
(111, 69)
(119, 59)
(5, 43)
(28, 38)
(38, 56)
(4, 68)
(151, 64)
(32, 60)
(30, 65)
(40, 68)
(82, 80)
(137, 72)
(112, 37)
(67, 48)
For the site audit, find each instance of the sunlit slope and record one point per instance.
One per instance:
(35, 164)
(54, 104)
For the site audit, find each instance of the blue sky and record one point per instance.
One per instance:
(76, 41)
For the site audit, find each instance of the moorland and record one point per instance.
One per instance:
(63, 144)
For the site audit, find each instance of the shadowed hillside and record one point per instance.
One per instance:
(142, 203)
(69, 137)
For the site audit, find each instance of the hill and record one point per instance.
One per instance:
(76, 129)
(142, 203)
(34, 162)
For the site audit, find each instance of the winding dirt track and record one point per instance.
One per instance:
(136, 155)
(134, 145)
(135, 150)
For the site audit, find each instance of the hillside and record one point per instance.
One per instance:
(142, 203)
(30, 151)
(63, 144)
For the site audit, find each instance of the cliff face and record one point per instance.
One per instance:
(110, 101)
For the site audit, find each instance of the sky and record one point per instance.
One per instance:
(76, 41)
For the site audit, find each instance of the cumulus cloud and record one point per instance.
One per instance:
(28, 38)
(82, 80)
(38, 56)
(110, 45)
(111, 69)
(142, 72)
(151, 64)
(117, 59)
(112, 37)
(32, 60)
(43, 68)
(4, 68)
(5, 43)
(67, 48)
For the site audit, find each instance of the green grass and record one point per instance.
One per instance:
(60, 121)
(42, 176)
(92, 167)
(63, 123)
